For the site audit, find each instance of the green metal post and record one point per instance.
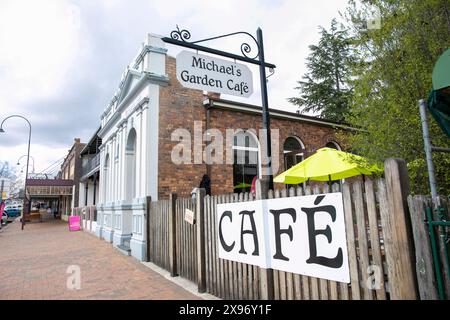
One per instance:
(443, 234)
(434, 251)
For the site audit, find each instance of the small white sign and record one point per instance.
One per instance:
(202, 72)
(189, 216)
(304, 235)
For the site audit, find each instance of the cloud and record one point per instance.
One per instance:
(61, 61)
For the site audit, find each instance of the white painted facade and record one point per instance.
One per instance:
(90, 193)
(129, 150)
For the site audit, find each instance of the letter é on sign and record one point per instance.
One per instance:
(335, 262)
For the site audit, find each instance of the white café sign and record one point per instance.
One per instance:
(303, 235)
(202, 72)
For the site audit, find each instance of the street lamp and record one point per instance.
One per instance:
(21, 170)
(25, 207)
(18, 161)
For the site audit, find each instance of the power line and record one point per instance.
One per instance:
(59, 161)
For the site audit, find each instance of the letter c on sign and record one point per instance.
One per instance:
(226, 247)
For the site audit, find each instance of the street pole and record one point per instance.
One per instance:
(1, 201)
(265, 106)
(25, 207)
(26, 178)
(428, 148)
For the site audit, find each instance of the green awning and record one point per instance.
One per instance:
(439, 107)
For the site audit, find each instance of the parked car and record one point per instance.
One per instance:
(12, 211)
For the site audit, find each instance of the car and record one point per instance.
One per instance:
(12, 211)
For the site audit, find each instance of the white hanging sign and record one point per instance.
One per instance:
(202, 72)
(303, 235)
(189, 216)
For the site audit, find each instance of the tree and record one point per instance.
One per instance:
(14, 183)
(393, 71)
(325, 88)
(6, 171)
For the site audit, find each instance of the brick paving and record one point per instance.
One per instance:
(34, 262)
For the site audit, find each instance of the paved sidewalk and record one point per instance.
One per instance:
(34, 262)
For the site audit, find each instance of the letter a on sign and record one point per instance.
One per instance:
(303, 235)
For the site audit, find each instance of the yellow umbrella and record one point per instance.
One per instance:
(325, 165)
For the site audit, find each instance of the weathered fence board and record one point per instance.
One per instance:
(362, 239)
(375, 239)
(397, 235)
(424, 259)
(351, 245)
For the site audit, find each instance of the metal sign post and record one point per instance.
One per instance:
(180, 38)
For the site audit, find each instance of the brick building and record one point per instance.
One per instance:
(146, 150)
(71, 170)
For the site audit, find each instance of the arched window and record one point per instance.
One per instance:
(334, 145)
(293, 152)
(130, 164)
(245, 161)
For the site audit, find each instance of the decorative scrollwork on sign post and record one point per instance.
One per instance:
(246, 48)
(181, 35)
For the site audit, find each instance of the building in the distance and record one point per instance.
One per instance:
(144, 153)
(71, 170)
(90, 167)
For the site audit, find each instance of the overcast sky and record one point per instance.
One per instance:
(61, 61)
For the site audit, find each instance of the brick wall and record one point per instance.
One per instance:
(313, 137)
(180, 107)
(74, 156)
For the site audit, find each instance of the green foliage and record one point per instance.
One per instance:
(324, 88)
(418, 174)
(392, 72)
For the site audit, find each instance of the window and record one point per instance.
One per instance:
(245, 161)
(293, 152)
(333, 145)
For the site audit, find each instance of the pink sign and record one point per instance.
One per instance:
(74, 223)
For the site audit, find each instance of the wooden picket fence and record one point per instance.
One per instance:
(159, 233)
(186, 241)
(378, 239)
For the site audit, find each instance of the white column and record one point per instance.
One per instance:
(114, 169)
(137, 185)
(143, 146)
(118, 173)
(122, 164)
